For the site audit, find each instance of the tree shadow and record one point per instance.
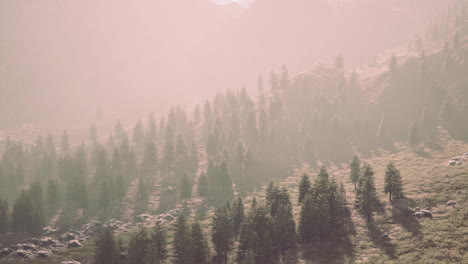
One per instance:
(337, 247)
(381, 240)
(401, 213)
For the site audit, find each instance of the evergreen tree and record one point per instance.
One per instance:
(413, 135)
(200, 250)
(151, 127)
(106, 251)
(36, 195)
(283, 223)
(238, 214)
(157, 249)
(137, 246)
(52, 195)
(182, 245)
(304, 187)
(202, 187)
(185, 189)
(4, 216)
(64, 143)
(393, 184)
(150, 157)
(306, 219)
(119, 187)
(104, 199)
(366, 196)
(22, 214)
(222, 231)
(355, 171)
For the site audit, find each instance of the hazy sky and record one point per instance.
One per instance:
(64, 57)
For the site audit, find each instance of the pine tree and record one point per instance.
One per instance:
(157, 249)
(52, 195)
(202, 187)
(185, 189)
(413, 135)
(137, 246)
(119, 187)
(355, 171)
(200, 250)
(64, 143)
(181, 242)
(366, 196)
(36, 195)
(106, 251)
(4, 216)
(150, 157)
(283, 223)
(393, 184)
(304, 187)
(306, 220)
(222, 231)
(238, 214)
(22, 214)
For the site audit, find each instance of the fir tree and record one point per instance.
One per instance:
(304, 187)
(393, 184)
(52, 195)
(157, 249)
(182, 245)
(355, 171)
(4, 216)
(222, 231)
(366, 196)
(200, 249)
(238, 214)
(185, 189)
(22, 214)
(137, 246)
(64, 143)
(413, 135)
(202, 187)
(106, 251)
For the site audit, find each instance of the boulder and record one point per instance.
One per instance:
(71, 262)
(74, 244)
(455, 158)
(26, 246)
(168, 218)
(423, 213)
(68, 237)
(49, 230)
(452, 163)
(44, 253)
(142, 217)
(5, 251)
(451, 203)
(459, 163)
(47, 241)
(21, 253)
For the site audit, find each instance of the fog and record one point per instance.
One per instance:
(61, 59)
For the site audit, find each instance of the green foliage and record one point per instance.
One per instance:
(200, 249)
(185, 188)
(181, 244)
(107, 251)
(138, 246)
(355, 171)
(4, 216)
(304, 187)
(366, 196)
(222, 233)
(393, 183)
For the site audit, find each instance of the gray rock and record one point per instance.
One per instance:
(451, 203)
(21, 253)
(168, 217)
(142, 217)
(26, 246)
(5, 252)
(44, 253)
(49, 230)
(423, 213)
(452, 163)
(68, 237)
(47, 241)
(74, 244)
(71, 262)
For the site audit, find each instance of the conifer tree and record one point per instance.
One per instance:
(366, 197)
(157, 249)
(106, 251)
(182, 245)
(283, 223)
(413, 135)
(52, 195)
(393, 184)
(22, 214)
(185, 189)
(304, 187)
(200, 251)
(64, 143)
(355, 171)
(202, 187)
(222, 232)
(137, 246)
(4, 216)
(306, 220)
(150, 157)
(238, 214)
